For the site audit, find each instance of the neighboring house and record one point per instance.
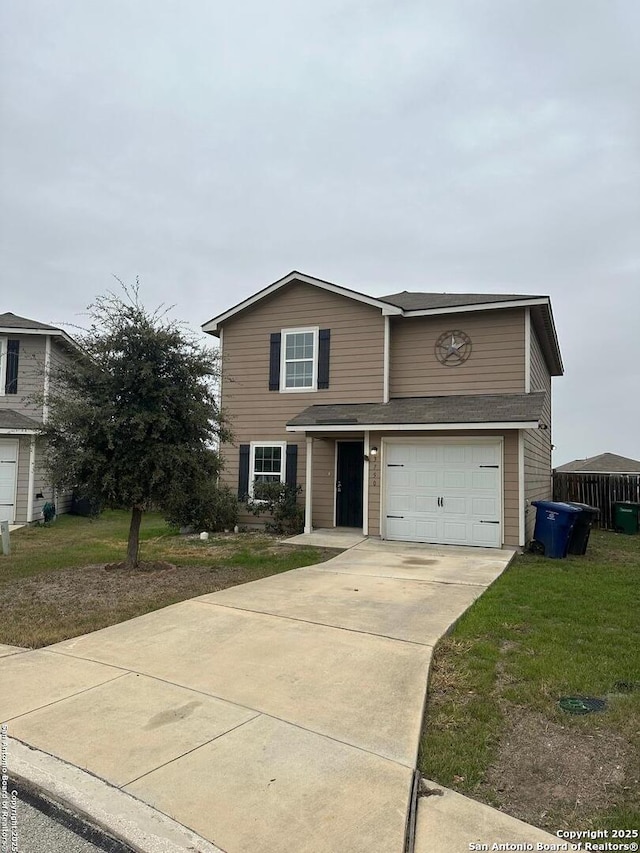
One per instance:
(416, 416)
(604, 463)
(29, 351)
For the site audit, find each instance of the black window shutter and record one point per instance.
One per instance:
(324, 341)
(13, 350)
(274, 362)
(243, 472)
(291, 471)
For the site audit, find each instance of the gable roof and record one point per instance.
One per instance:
(12, 321)
(406, 304)
(604, 463)
(482, 410)
(12, 421)
(13, 324)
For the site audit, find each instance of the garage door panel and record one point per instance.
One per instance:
(398, 503)
(485, 479)
(426, 503)
(425, 454)
(484, 509)
(444, 494)
(398, 478)
(455, 505)
(426, 530)
(427, 479)
(486, 534)
(454, 479)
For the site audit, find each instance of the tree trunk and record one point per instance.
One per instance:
(133, 545)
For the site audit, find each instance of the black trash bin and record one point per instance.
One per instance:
(554, 523)
(579, 538)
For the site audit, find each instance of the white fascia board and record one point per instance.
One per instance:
(485, 306)
(56, 333)
(5, 431)
(14, 330)
(212, 325)
(413, 427)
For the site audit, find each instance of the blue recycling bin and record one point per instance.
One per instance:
(554, 523)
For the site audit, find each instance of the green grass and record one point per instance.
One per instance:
(545, 629)
(53, 585)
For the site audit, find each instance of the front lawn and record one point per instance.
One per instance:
(54, 585)
(546, 629)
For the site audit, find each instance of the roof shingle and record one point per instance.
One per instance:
(453, 409)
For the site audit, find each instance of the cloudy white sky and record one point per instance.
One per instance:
(442, 145)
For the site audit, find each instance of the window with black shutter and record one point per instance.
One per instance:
(13, 355)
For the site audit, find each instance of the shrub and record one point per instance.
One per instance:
(210, 507)
(280, 501)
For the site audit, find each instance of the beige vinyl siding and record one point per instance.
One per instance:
(30, 377)
(495, 366)
(537, 442)
(510, 475)
(257, 414)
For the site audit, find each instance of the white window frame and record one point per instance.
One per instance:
(4, 344)
(315, 331)
(252, 462)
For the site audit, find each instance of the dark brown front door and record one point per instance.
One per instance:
(349, 484)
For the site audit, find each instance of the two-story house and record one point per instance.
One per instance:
(29, 351)
(416, 416)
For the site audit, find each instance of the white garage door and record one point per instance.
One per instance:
(445, 493)
(8, 474)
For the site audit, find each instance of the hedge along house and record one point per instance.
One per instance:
(414, 416)
(29, 351)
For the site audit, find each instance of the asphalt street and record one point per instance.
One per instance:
(38, 833)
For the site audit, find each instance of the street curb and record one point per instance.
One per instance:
(110, 818)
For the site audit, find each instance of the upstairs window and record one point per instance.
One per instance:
(9, 354)
(299, 360)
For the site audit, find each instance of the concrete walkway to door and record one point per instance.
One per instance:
(280, 715)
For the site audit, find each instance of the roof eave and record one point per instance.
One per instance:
(212, 327)
(417, 427)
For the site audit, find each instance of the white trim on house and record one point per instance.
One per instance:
(412, 427)
(522, 534)
(365, 485)
(16, 331)
(315, 331)
(8, 431)
(527, 350)
(308, 487)
(212, 325)
(252, 460)
(387, 359)
(4, 342)
(483, 306)
(32, 478)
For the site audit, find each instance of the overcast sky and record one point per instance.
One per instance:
(438, 145)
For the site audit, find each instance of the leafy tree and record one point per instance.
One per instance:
(132, 420)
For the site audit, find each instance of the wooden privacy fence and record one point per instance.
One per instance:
(599, 490)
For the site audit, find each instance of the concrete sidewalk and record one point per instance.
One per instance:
(281, 715)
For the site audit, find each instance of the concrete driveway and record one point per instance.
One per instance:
(281, 715)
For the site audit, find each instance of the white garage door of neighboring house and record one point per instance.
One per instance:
(448, 493)
(8, 475)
